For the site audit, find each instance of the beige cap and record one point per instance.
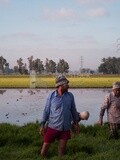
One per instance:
(84, 115)
(116, 85)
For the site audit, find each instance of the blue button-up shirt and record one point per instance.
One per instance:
(59, 111)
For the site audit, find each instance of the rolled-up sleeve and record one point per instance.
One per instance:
(75, 115)
(46, 111)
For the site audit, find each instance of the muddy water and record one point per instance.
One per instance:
(21, 106)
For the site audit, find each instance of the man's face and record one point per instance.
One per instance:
(65, 87)
(117, 92)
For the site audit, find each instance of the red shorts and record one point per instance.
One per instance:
(52, 134)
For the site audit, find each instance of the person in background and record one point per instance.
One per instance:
(59, 108)
(112, 105)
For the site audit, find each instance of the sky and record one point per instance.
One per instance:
(81, 32)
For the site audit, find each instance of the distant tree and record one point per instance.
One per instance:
(11, 71)
(87, 70)
(117, 65)
(20, 65)
(50, 66)
(24, 69)
(16, 69)
(39, 67)
(110, 65)
(62, 66)
(7, 70)
(31, 63)
(2, 64)
(47, 65)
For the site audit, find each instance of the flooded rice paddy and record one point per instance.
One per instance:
(21, 106)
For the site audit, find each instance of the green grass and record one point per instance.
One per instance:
(49, 81)
(24, 143)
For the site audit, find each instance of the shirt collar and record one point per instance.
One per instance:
(113, 93)
(56, 93)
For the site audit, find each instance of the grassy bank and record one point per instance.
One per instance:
(49, 82)
(24, 142)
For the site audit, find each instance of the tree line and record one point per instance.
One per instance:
(110, 65)
(34, 64)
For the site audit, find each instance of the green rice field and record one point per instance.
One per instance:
(49, 81)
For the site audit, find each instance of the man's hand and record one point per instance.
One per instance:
(100, 122)
(42, 131)
(75, 128)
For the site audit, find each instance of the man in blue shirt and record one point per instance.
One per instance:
(59, 110)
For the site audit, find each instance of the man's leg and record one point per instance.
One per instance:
(113, 129)
(44, 149)
(61, 147)
(49, 137)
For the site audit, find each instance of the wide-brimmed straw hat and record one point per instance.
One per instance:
(61, 80)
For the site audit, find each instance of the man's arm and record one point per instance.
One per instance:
(75, 124)
(103, 108)
(46, 113)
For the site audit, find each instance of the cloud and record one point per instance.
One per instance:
(73, 42)
(19, 35)
(3, 2)
(59, 15)
(95, 1)
(98, 12)
(22, 35)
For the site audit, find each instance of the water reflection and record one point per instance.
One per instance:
(20, 106)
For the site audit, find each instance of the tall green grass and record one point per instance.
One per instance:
(24, 143)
